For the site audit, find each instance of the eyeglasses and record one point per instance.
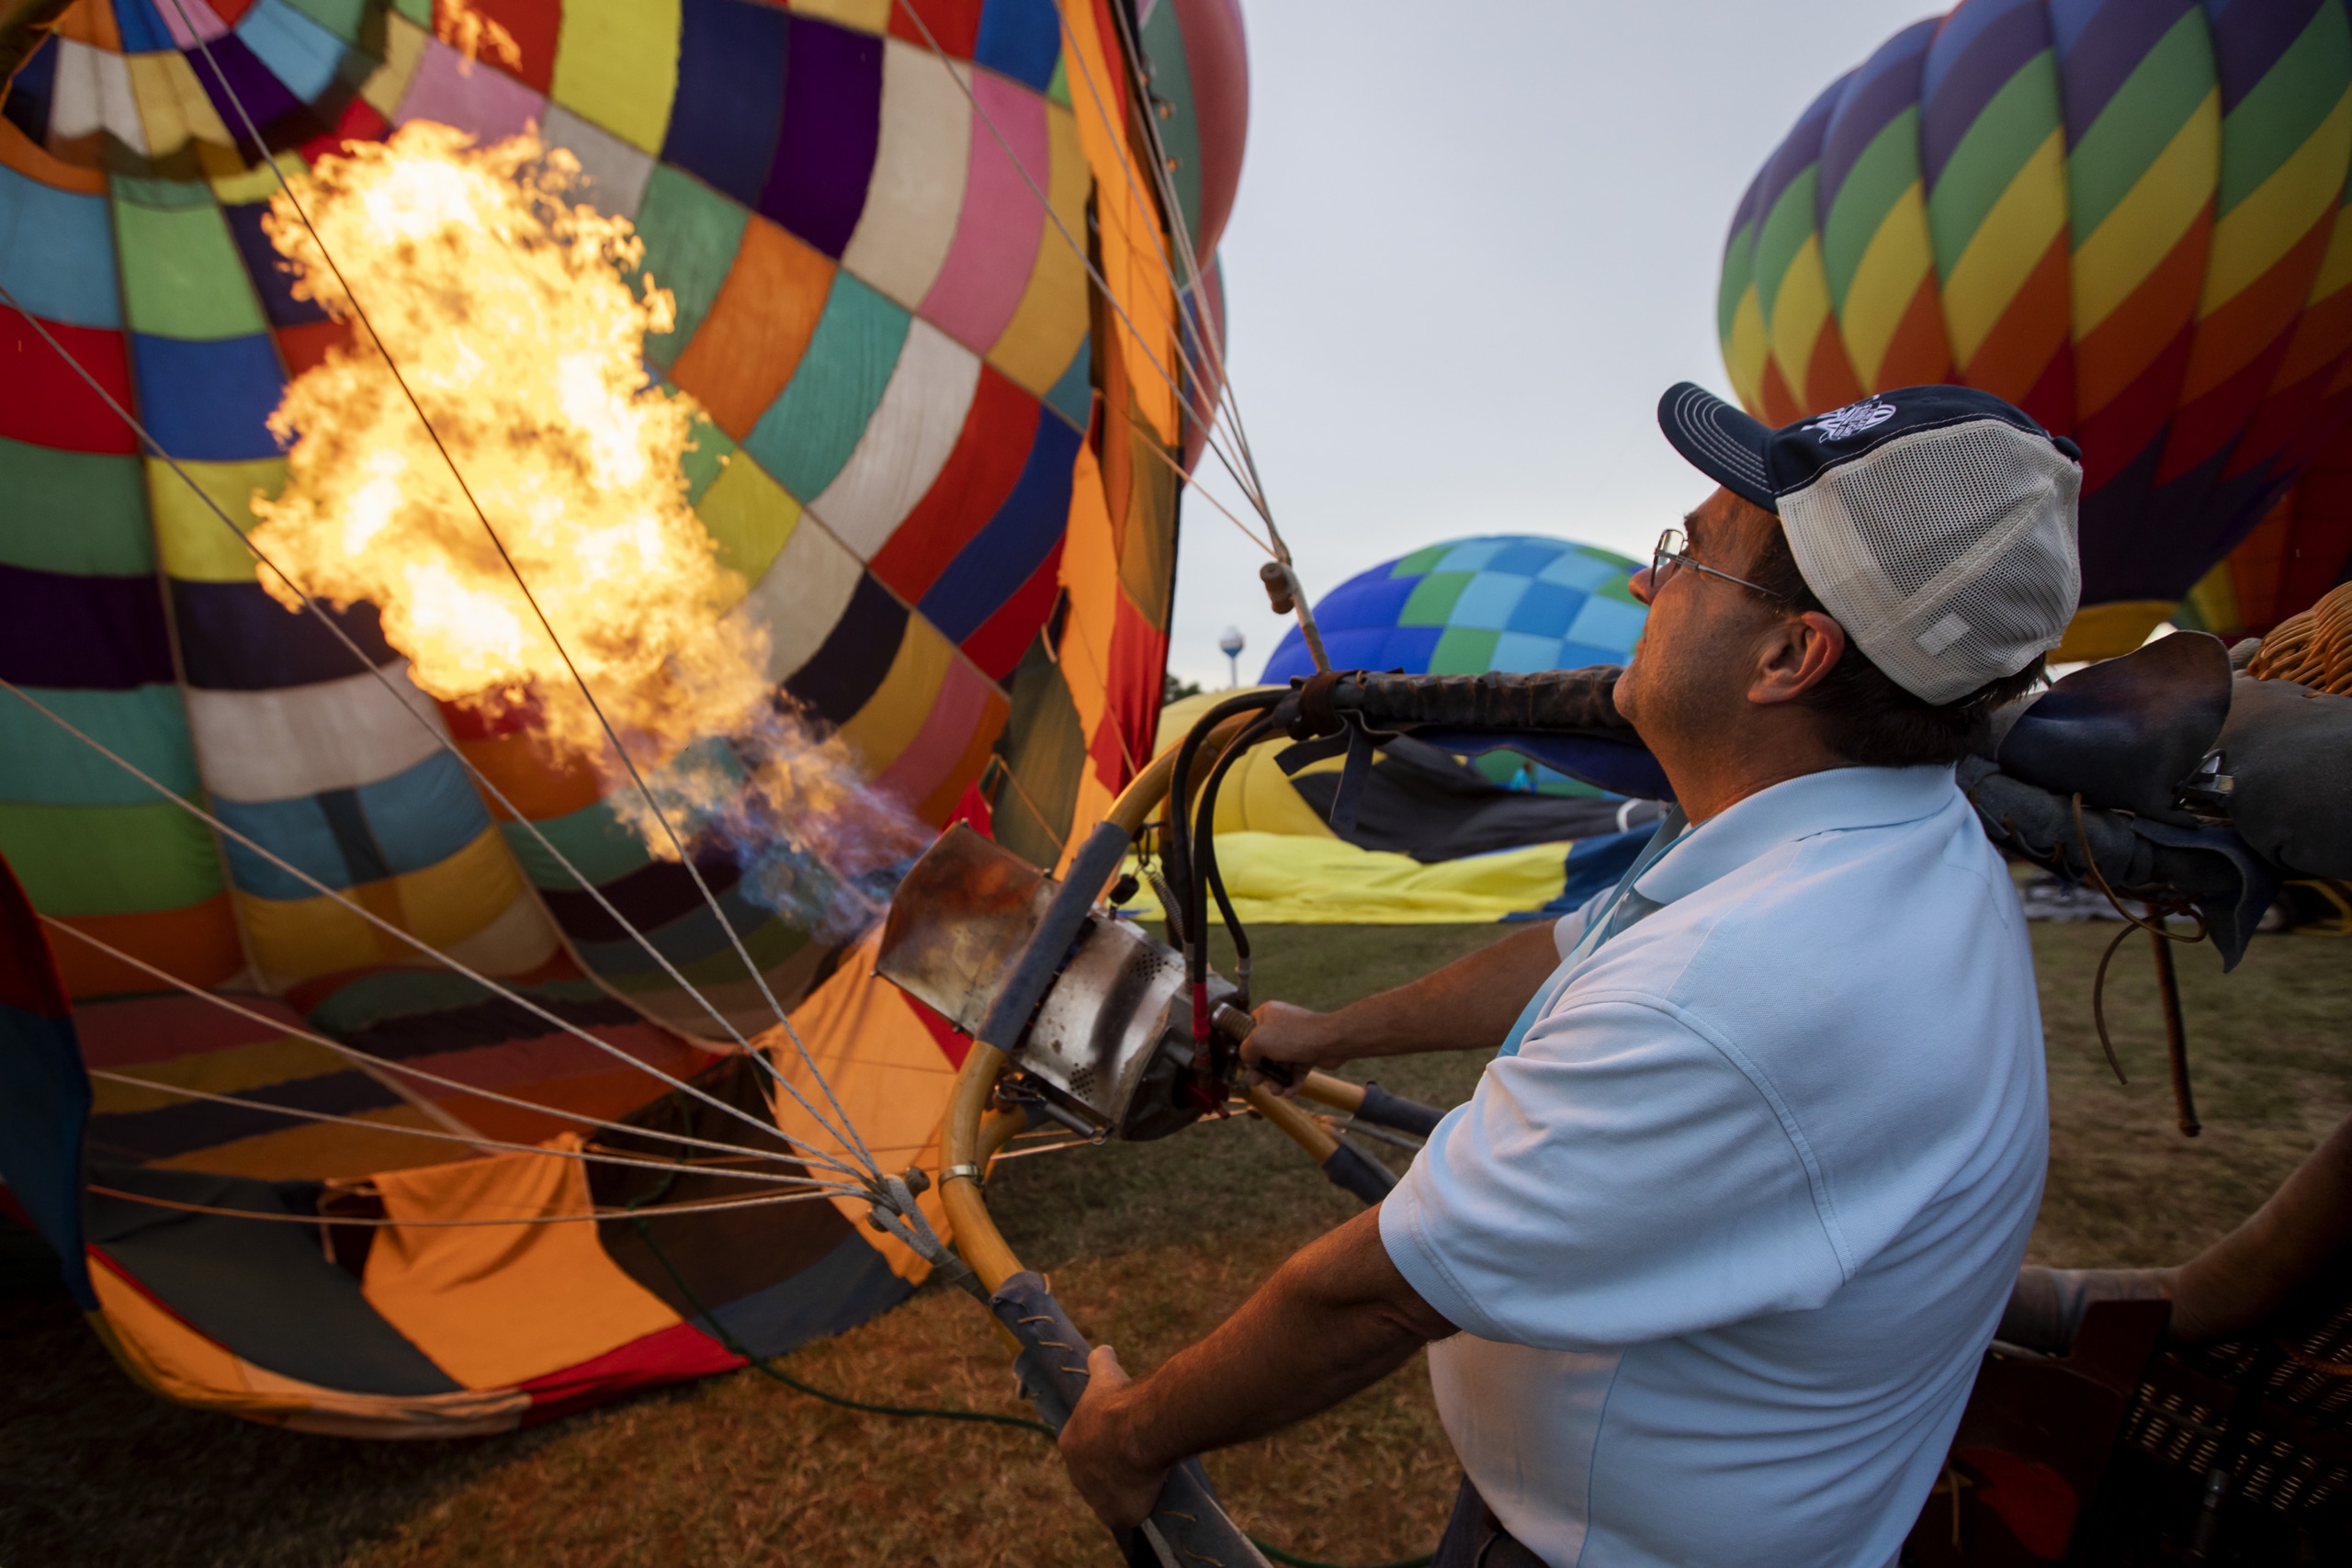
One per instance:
(1673, 554)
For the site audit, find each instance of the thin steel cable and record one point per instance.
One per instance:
(441, 740)
(1228, 396)
(1212, 334)
(1200, 319)
(848, 1134)
(1185, 474)
(734, 938)
(710, 1206)
(1181, 231)
(1068, 238)
(1250, 483)
(1203, 320)
(334, 628)
(422, 1075)
(1163, 183)
(301, 1114)
(1061, 840)
(807, 1151)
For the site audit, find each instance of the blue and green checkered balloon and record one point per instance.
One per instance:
(1513, 601)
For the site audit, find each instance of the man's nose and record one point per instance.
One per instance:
(1639, 585)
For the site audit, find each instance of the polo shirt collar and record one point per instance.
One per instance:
(1795, 808)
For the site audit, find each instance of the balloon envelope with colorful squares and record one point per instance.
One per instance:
(2127, 217)
(947, 372)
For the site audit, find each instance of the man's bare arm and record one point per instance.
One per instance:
(1335, 1318)
(1468, 1005)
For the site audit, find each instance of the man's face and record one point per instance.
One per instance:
(1691, 667)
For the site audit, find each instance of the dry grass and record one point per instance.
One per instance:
(1149, 1245)
(2270, 1050)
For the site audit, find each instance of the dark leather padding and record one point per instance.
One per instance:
(2125, 733)
(2288, 750)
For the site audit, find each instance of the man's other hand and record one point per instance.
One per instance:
(1118, 1488)
(1296, 1036)
(1335, 1319)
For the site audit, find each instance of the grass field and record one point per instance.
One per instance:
(1148, 1246)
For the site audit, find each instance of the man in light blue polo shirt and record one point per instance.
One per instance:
(1707, 1262)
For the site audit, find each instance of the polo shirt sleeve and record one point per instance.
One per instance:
(1620, 1179)
(1569, 929)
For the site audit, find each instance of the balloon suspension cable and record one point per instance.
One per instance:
(715, 1205)
(805, 1151)
(1185, 474)
(1076, 247)
(440, 738)
(1282, 587)
(1288, 594)
(1146, 128)
(1244, 471)
(1172, 211)
(386, 1066)
(710, 900)
(300, 1113)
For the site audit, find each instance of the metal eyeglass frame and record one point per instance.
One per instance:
(1673, 553)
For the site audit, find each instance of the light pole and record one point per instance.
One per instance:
(1230, 644)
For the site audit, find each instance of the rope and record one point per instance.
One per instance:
(721, 1331)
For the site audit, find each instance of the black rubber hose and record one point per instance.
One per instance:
(1179, 849)
(1042, 957)
(1206, 880)
(1179, 855)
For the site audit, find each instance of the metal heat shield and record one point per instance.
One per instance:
(958, 921)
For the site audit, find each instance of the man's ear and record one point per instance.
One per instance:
(1795, 656)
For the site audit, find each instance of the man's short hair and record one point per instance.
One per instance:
(1936, 523)
(1865, 717)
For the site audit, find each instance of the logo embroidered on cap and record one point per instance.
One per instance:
(1852, 420)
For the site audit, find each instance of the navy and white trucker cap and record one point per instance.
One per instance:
(1936, 523)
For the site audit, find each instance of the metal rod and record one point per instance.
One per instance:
(2184, 1099)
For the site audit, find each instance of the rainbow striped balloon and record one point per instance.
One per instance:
(2125, 216)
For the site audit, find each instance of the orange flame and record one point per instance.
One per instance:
(471, 34)
(508, 311)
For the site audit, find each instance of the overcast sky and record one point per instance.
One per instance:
(1475, 241)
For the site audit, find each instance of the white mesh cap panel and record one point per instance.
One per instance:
(1948, 553)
